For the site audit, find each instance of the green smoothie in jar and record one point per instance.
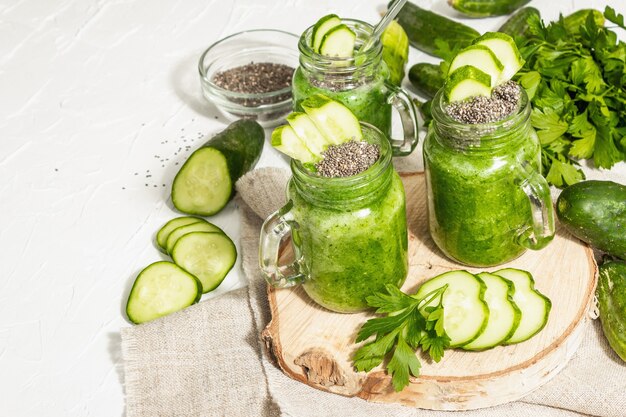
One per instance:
(487, 200)
(360, 82)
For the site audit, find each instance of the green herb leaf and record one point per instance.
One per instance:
(612, 16)
(372, 354)
(402, 364)
(548, 124)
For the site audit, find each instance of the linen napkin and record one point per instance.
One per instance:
(208, 360)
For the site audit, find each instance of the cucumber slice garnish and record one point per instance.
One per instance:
(467, 82)
(321, 28)
(481, 57)
(338, 42)
(504, 48)
(465, 311)
(183, 230)
(164, 232)
(160, 289)
(336, 122)
(504, 314)
(207, 255)
(306, 130)
(535, 306)
(285, 140)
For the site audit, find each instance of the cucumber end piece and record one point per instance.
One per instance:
(338, 42)
(323, 25)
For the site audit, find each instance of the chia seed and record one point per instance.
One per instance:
(504, 101)
(256, 78)
(347, 159)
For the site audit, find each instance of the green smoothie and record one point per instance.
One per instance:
(368, 101)
(352, 251)
(477, 206)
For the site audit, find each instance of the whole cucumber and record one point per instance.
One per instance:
(595, 211)
(611, 293)
(486, 8)
(517, 24)
(572, 22)
(426, 78)
(424, 28)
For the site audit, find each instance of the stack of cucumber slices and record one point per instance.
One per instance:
(489, 309)
(332, 38)
(202, 253)
(308, 134)
(491, 60)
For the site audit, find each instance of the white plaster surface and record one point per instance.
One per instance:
(98, 102)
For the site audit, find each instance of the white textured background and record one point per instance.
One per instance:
(99, 105)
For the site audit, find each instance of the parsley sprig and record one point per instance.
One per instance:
(409, 323)
(575, 80)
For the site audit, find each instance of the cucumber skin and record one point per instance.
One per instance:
(517, 25)
(595, 212)
(423, 27)
(486, 8)
(572, 22)
(426, 78)
(241, 144)
(611, 293)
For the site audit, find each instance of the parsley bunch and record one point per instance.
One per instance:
(575, 80)
(408, 324)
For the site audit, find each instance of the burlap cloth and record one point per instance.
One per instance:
(208, 359)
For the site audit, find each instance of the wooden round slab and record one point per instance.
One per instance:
(315, 346)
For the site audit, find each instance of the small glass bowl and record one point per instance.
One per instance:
(260, 45)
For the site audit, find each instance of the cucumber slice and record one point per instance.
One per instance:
(465, 312)
(467, 82)
(321, 28)
(504, 48)
(336, 122)
(285, 140)
(160, 289)
(207, 255)
(338, 42)
(164, 232)
(504, 314)
(306, 130)
(183, 230)
(481, 57)
(535, 306)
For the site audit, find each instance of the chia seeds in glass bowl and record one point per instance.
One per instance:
(258, 53)
(504, 100)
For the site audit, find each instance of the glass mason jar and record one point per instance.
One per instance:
(487, 200)
(360, 83)
(348, 234)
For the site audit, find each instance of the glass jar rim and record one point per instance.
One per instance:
(342, 65)
(202, 69)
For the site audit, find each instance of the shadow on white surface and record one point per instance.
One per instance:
(115, 353)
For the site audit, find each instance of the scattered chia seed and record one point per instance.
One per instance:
(256, 78)
(347, 159)
(504, 100)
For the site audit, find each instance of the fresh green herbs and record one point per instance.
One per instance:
(409, 323)
(575, 79)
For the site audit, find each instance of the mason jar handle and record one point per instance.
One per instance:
(275, 228)
(403, 104)
(541, 231)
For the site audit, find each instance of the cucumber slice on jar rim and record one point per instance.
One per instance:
(207, 255)
(480, 57)
(306, 130)
(466, 82)
(465, 311)
(535, 306)
(504, 314)
(338, 42)
(321, 28)
(504, 48)
(285, 140)
(336, 122)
